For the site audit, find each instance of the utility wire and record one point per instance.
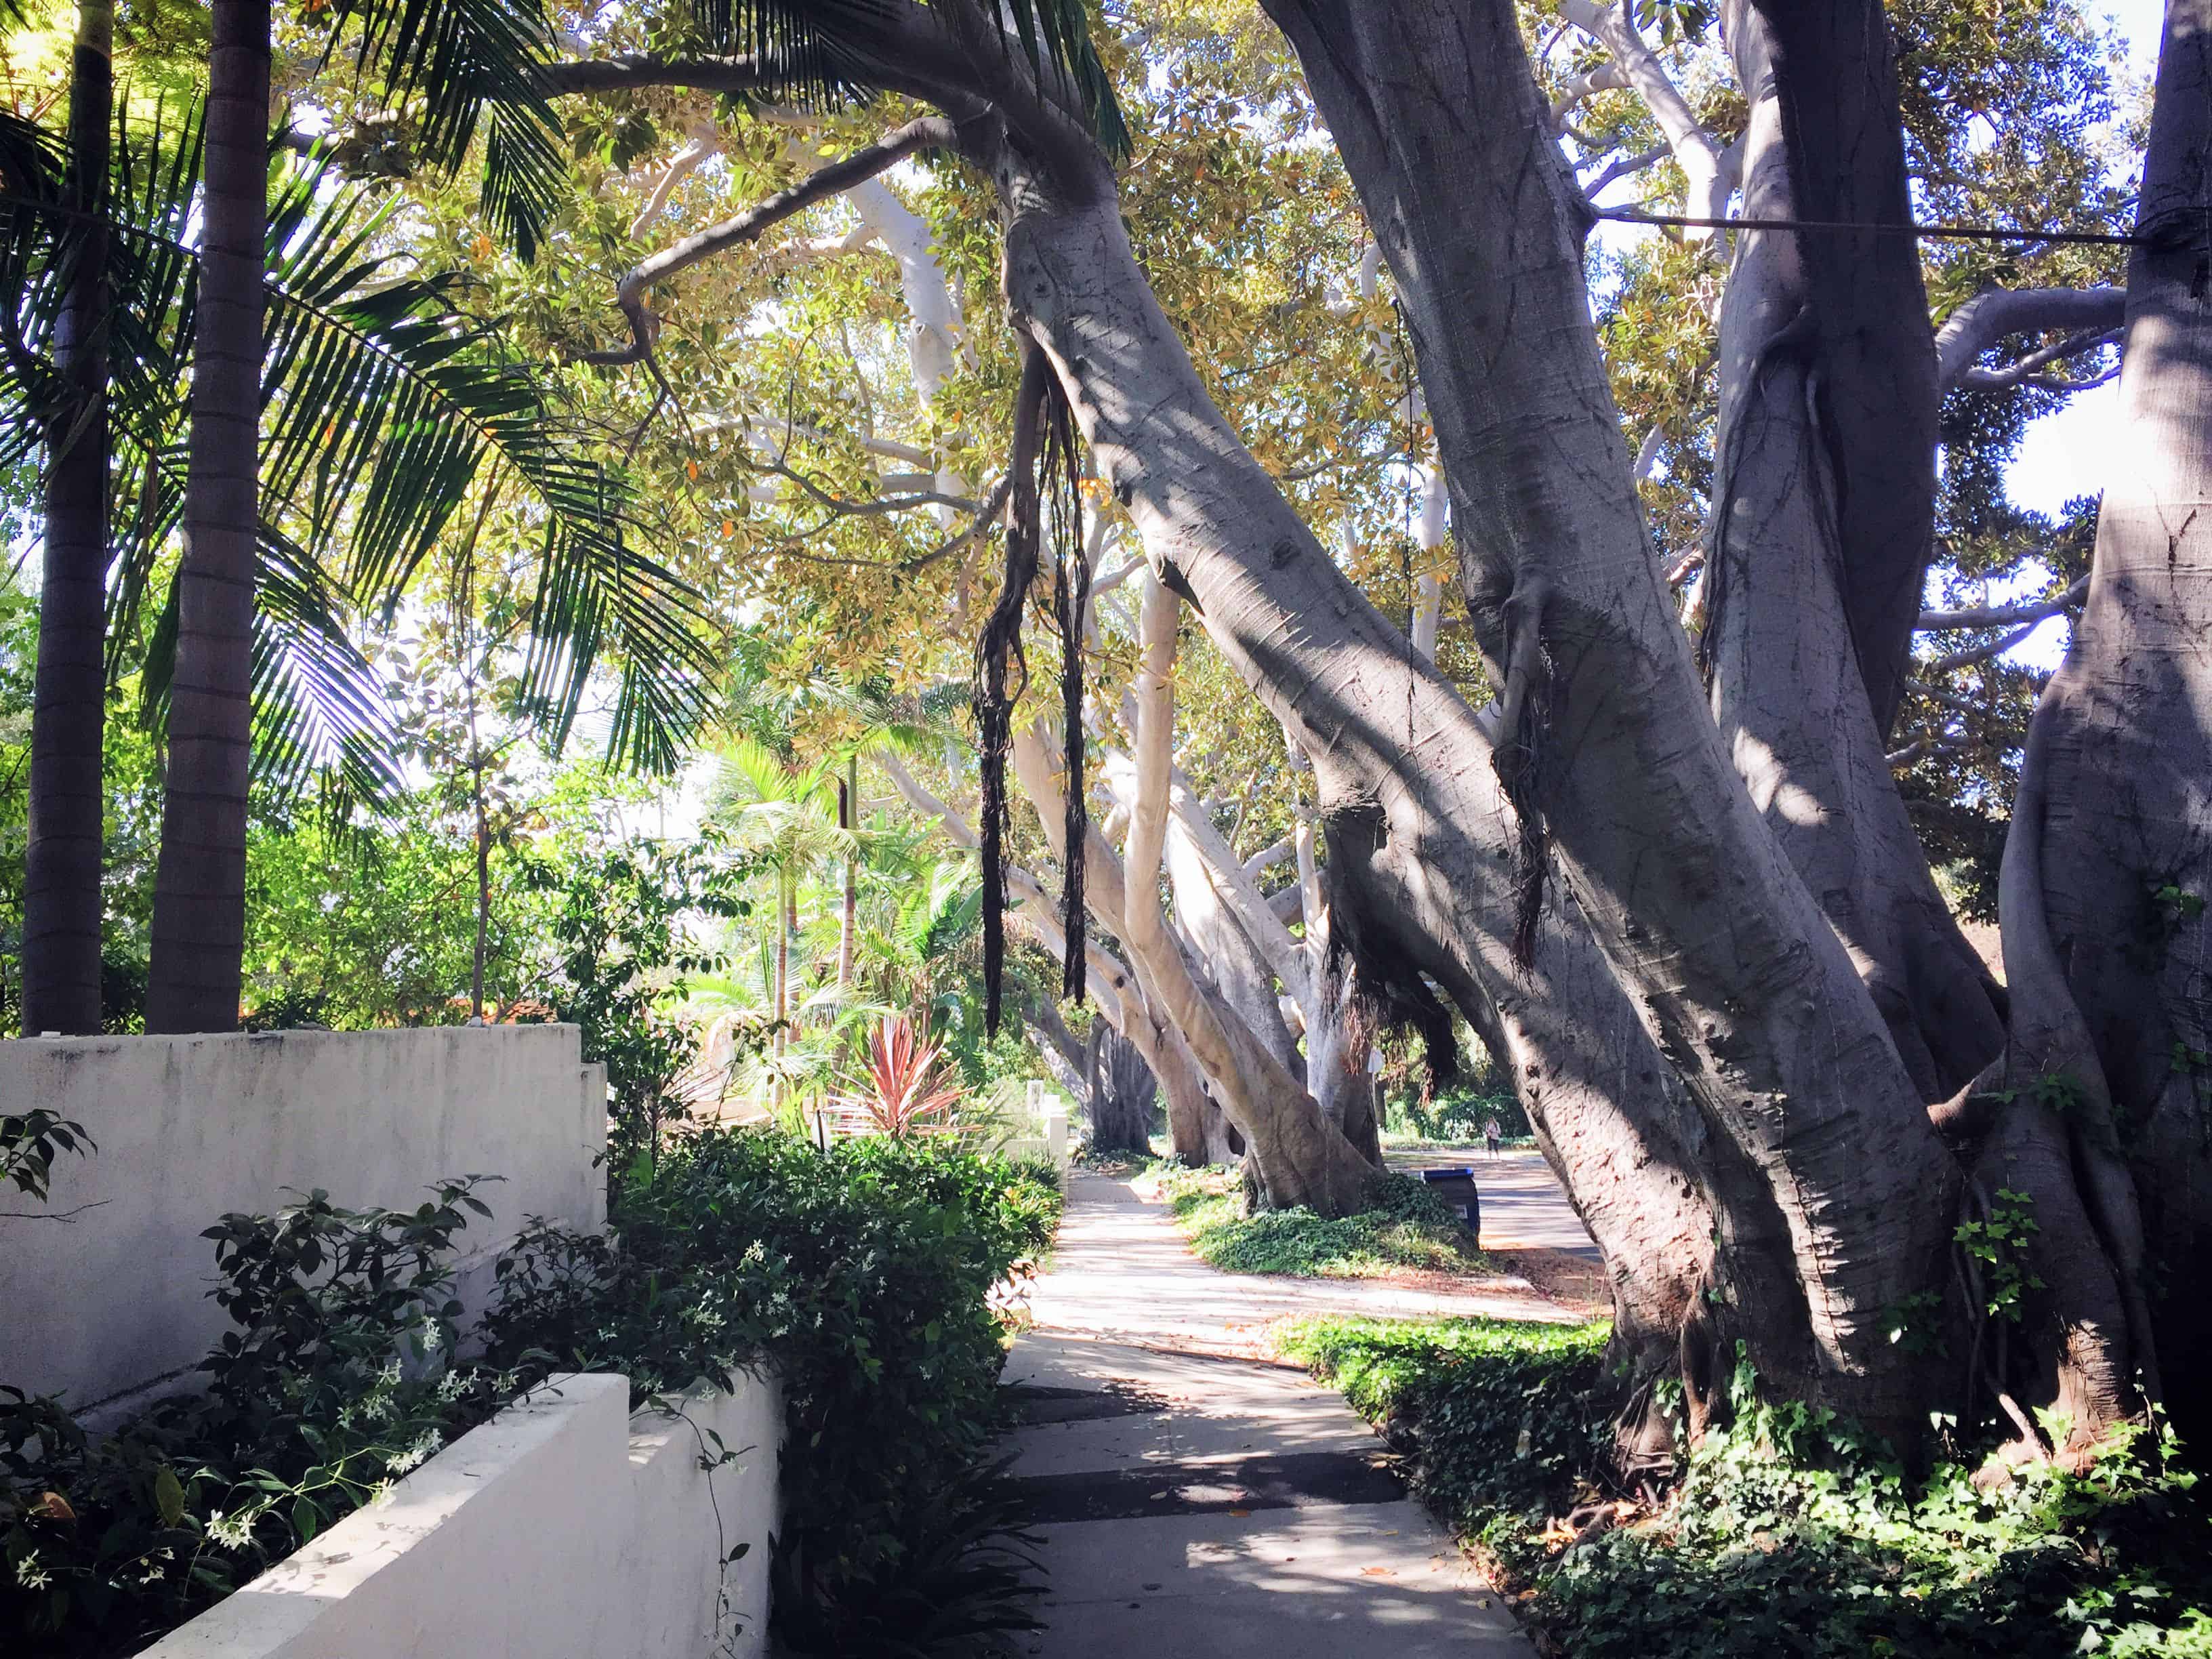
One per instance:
(1967, 232)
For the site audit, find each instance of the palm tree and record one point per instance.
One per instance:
(777, 811)
(199, 884)
(62, 862)
(875, 722)
(457, 59)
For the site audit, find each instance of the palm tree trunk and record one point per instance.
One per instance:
(783, 953)
(199, 888)
(848, 813)
(62, 862)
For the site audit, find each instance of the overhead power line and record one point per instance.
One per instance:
(1966, 233)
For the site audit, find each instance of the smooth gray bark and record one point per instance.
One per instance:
(1684, 887)
(1400, 761)
(1875, 392)
(2107, 932)
(1788, 690)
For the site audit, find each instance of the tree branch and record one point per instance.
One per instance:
(633, 71)
(1974, 653)
(706, 141)
(1990, 316)
(2024, 373)
(1999, 616)
(930, 132)
(1694, 148)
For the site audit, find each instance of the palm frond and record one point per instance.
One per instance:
(1060, 31)
(465, 64)
(766, 776)
(806, 48)
(384, 404)
(318, 711)
(387, 403)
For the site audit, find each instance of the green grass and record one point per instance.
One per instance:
(1788, 1535)
(1408, 1226)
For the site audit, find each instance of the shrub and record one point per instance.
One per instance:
(1788, 1534)
(1405, 1225)
(1459, 1115)
(337, 1381)
(868, 1275)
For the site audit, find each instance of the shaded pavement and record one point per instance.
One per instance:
(1193, 1505)
(1122, 1270)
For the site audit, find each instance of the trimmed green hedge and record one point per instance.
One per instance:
(868, 1275)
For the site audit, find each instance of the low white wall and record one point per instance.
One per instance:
(563, 1529)
(107, 1293)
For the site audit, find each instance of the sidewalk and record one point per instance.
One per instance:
(1193, 1505)
(1121, 1271)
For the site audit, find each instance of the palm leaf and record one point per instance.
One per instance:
(384, 404)
(806, 47)
(318, 710)
(465, 64)
(387, 403)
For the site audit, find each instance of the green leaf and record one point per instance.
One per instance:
(169, 1496)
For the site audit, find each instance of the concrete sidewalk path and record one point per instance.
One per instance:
(1196, 1504)
(1121, 1271)
(1201, 1508)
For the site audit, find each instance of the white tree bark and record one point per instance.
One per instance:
(1710, 167)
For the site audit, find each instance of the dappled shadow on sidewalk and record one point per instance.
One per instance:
(1121, 1270)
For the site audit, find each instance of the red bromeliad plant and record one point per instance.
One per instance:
(901, 1093)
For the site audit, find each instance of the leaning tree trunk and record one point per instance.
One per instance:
(2107, 871)
(1683, 885)
(1394, 742)
(63, 859)
(1795, 538)
(199, 885)
(1400, 761)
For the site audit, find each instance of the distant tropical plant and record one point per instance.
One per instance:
(901, 1093)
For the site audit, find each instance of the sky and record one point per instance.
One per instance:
(2069, 453)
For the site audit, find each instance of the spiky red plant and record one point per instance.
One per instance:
(902, 1094)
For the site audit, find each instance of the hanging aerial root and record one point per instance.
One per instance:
(1071, 591)
(1043, 469)
(1523, 744)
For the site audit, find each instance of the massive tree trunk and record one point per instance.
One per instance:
(1683, 885)
(1809, 521)
(1409, 799)
(1843, 143)
(63, 860)
(1122, 1095)
(199, 889)
(2107, 931)
(1415, 816)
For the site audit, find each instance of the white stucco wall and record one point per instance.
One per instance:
(563, 1529)
(113, 1298)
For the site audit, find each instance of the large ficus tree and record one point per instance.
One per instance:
(1671, 883)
